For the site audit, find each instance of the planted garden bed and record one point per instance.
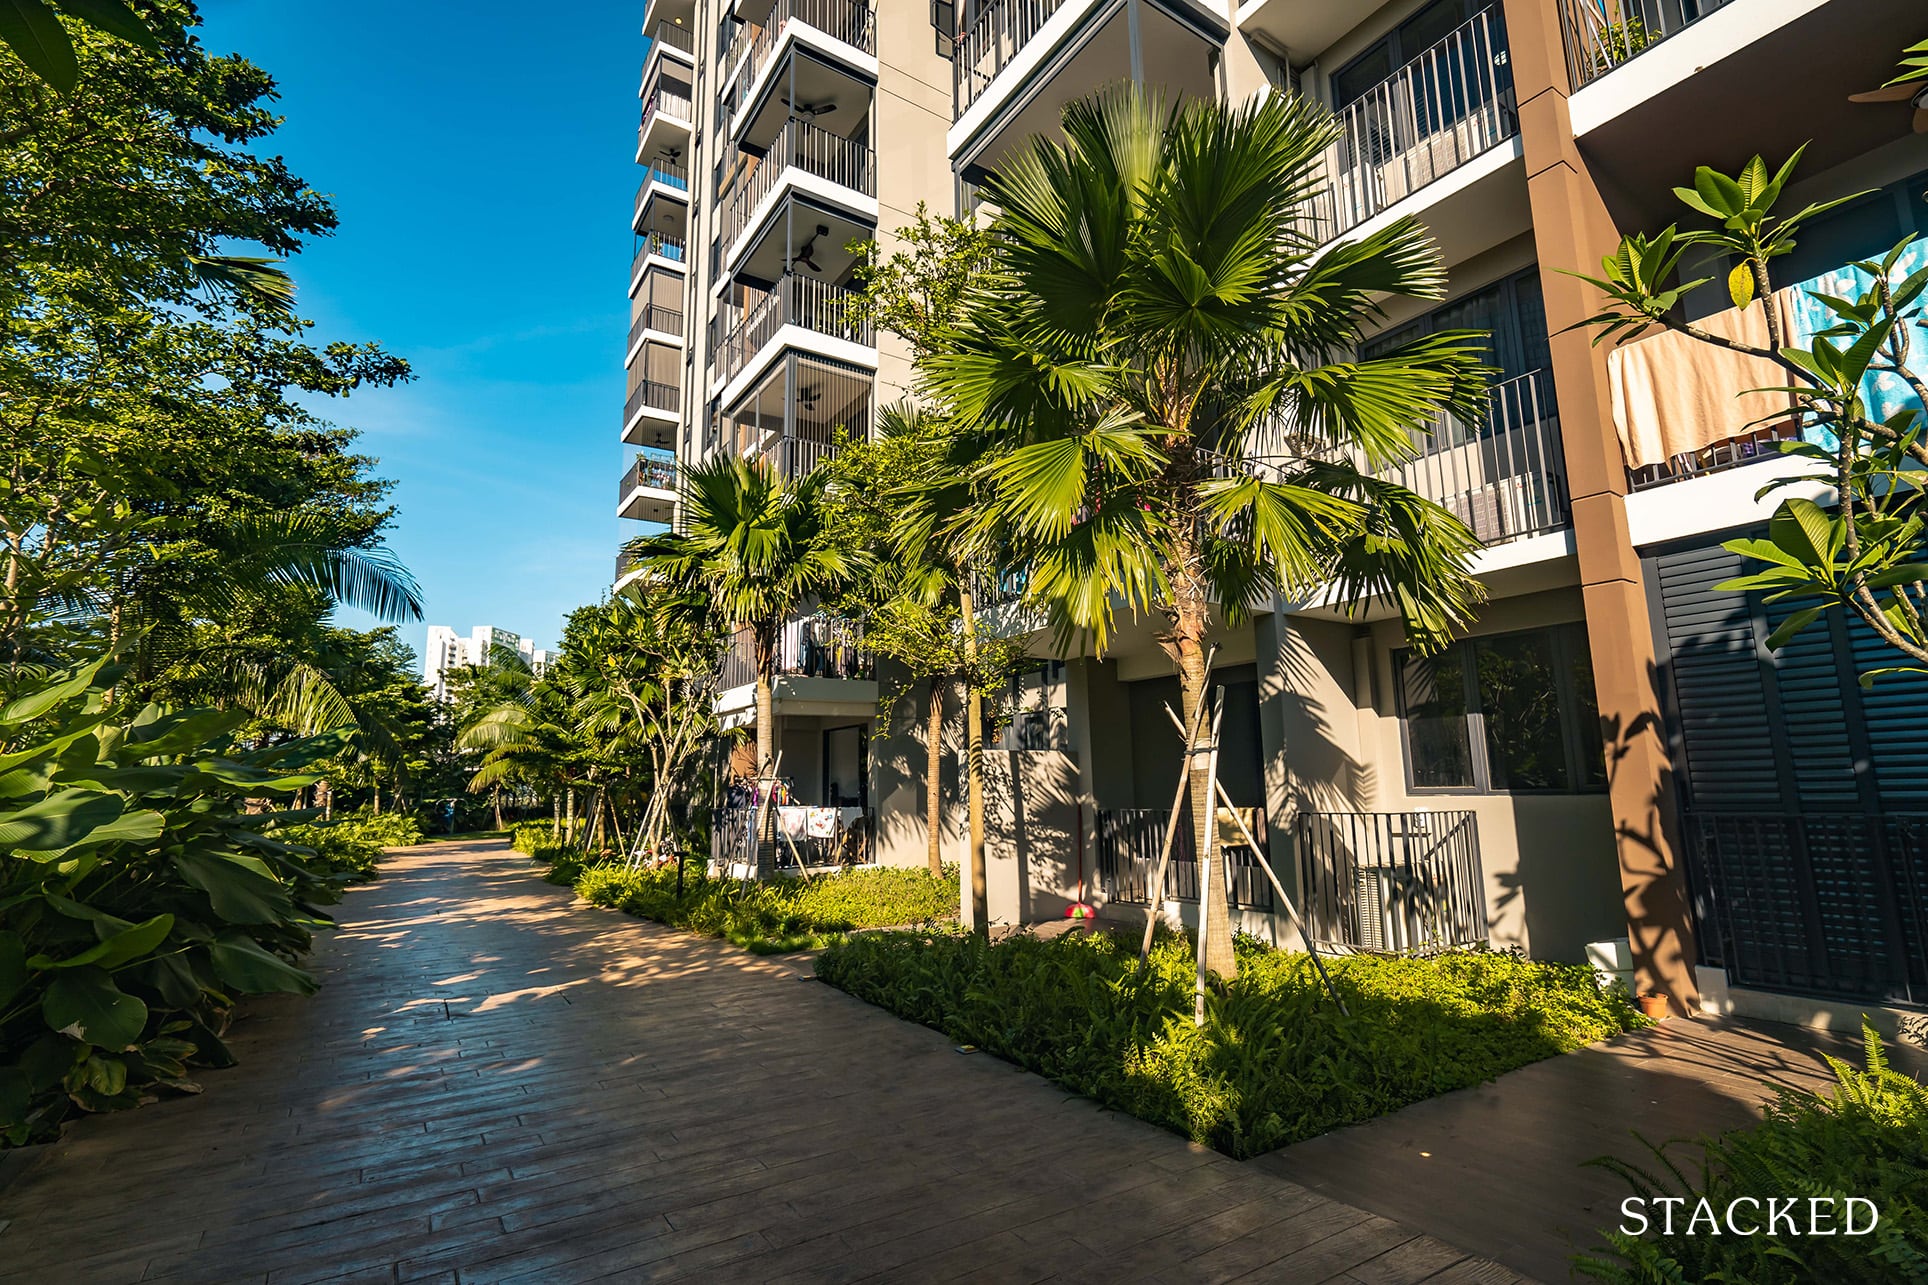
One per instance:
(1276, 1060)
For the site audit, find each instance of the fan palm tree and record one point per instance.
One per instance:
(1169, 360)
(761, 550)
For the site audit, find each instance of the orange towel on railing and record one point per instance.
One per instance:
(1673, 395)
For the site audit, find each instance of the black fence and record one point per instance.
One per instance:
(733, 841)
(1392, 881)
(1128, 844)
(1832, 904)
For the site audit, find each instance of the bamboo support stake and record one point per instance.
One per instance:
(1155, 893)
(1278, 890)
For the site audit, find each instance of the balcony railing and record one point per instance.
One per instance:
(1427, 119)
(733, 846)
(650, 471)
(1129, 840)
(796, 301)
(791, 456)
(668, 33)
(1826, 903)
(1392, 881)
(653, 394)
(1602, 34)
(808, 148)
(665, 101)
(854, 22)
(665, 172)
(988, 45)
(1504, 477)
(810, 647)
(624, 564)
(664, 245)
(655, 317)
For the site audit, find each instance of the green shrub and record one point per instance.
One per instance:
(389, 830)
(141, 895)
(339, 848)
(525, 836)
(565, 863)
(779, 915)
(1276, 1060)
(1868, 1139)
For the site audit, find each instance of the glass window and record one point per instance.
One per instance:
(1519, 699)
(1507, 712)
(1433, 691)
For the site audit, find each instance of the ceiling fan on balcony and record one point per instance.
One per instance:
(808, 111)
(807, 255)
(807, 398)
(1910, 87)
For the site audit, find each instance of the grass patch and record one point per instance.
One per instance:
(1276, 1061)
(781, 915)
(1866, 1139)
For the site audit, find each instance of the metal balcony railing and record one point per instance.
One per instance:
(1505, 477)
(624, 564)
(854, 22)
(1129, 840)
(1601, 34)
(666, 172)
(795, 301)
(653, 394)
(820, 646)
(988, 45)
(806, 147)
(668, 33)
(655, 317)
(1427, 119)
(652, 471)
(664, 245)
(1392, 881)
(667, 102)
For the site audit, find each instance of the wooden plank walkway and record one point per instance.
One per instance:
(1502, 1167)
(500, 1083)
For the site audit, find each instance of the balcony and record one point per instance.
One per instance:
(647, 492)
(672, 36)
(667, 117)
(1129, 841)
(839, 28)
(811, 160)
(1602, 34)
(1505, 477)
(988, 46)
(654, 319)
(663, 175)
(804, 305)
(1392, 882)
(819, 646)
(1451, 104)
(651, 412)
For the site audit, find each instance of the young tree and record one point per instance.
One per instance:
(759, 550)
(1868, 553)
(1158, 315)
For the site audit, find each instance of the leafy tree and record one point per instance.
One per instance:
(1868, 553)
(32, 29)
(1158, 317)
(760, 550)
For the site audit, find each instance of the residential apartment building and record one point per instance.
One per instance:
(446, 650)
(1612, 752)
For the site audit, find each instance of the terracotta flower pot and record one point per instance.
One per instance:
(1654, 1007)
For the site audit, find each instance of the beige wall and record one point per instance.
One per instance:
(912, 114)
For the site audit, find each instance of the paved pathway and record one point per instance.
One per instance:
(497, 1082)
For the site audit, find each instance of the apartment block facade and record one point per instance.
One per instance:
(1612, 752)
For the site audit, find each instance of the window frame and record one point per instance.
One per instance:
(1563, 638)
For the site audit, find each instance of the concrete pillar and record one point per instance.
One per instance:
(1574, 229)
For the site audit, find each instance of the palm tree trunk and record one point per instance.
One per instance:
(497, 798)
(555, 816)
(933, 774)
(974, 758)
(569, 826)
(766, 751)
(1194, 679)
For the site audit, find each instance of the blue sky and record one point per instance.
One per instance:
(480, 157)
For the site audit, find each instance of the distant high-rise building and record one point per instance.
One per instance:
(448, 650)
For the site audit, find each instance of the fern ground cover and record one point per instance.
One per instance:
(1275, 1062)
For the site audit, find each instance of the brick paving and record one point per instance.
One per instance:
(498, 1083)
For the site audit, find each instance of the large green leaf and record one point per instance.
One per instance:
(122, 948)
(58, 821)
(31, 705)
(241, 889)
(113, 17)
(245, 966)
(86, 1005)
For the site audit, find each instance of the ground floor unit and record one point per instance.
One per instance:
(1581, 767)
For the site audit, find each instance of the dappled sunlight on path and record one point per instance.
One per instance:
(498, 1082)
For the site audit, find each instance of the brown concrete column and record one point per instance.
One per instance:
(1573, 230)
